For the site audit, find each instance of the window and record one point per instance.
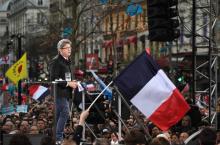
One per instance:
(3, 20)
(40, 2)
(39, 18)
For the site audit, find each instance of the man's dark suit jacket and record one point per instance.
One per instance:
(58, 67)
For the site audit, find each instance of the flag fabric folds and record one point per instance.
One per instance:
(38, 92)
(18, 70)
(107, 92)
(147, 87)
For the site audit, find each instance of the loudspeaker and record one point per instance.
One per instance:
(162, 24)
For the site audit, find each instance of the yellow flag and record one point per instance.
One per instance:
(18, 70)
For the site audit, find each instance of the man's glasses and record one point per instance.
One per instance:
(67, 48)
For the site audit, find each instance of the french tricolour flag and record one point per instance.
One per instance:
(152, 92)
(38, 92)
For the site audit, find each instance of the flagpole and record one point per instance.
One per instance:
(19, 82)
(121, 121)
(90, 130)
(83, 107)
(18, 36)
(148, 136)
(34, 107)
(99, 95)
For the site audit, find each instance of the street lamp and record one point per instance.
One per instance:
(18, 37)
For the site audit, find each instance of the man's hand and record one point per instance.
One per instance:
(72, 84)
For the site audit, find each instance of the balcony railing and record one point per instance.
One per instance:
(68, 3)
(54, 7)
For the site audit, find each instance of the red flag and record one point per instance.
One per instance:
(185, 89)
(5, 87)
(148, 50)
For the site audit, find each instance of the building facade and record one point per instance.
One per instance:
(28, 18)
(114, 34)
(28, 23)
(3, 24)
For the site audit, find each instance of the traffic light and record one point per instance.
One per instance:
(180, 79)
(162, 21)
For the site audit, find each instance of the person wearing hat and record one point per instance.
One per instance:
(60, 70)
(106, 133)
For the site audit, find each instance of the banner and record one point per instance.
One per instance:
(7, 59)
(18, 70)
(8, 110)
(92, 62)
(22, 108)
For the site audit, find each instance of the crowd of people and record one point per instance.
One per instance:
(40, 120)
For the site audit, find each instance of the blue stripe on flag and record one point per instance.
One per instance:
(44, 95)
(132, 79)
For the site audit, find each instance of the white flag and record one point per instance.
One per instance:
(7, 59)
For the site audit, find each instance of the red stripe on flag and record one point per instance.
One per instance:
(170, 112)
(32, 89)
(148, 50)
(5, 87)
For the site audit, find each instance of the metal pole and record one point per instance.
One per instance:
(83, 106)
(210, 60)
(119, 121)
(54, 94)
(119, 117)
(194, 50)
(148, 136)
(216, 94)
(90, 106)
(19, 56)
(90, 130)
(92, 48)
(85, 45)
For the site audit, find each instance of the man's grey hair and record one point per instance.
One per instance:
(62, 43)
